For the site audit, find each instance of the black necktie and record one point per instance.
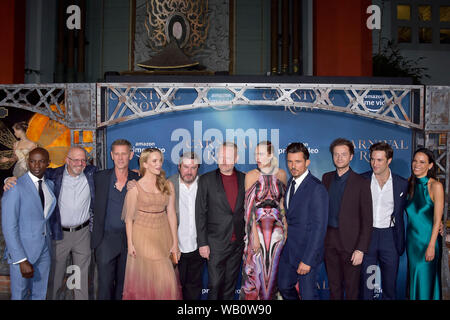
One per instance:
(291, 192)
(41, 194)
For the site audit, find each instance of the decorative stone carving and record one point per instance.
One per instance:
(203, 36)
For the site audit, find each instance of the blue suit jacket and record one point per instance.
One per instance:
(56, 175)
(400, 187)
(307, 219)
(25, 229)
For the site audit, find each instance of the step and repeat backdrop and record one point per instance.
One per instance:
(202, 130)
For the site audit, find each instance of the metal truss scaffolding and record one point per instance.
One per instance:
(399, 105)
(436, 137)
(71, 104)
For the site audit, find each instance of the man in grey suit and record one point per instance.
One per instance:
(191, 264)
(219, 218)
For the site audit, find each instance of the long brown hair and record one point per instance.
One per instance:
(161, 182)
(430, 174)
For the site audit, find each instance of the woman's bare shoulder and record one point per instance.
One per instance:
(435, 185)
(282, 176)
(251, 177)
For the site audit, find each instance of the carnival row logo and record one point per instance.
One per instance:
(362, 146)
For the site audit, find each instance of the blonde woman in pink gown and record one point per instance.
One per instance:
(151, 225)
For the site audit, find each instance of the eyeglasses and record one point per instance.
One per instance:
(77, 160)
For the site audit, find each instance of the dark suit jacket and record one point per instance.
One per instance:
(56, 175)
(400, 187)
(176, 185)
(214, 218)
(102, 180)
(307, 219)
(355, 214)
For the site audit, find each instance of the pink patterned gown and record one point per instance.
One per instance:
(259, 271)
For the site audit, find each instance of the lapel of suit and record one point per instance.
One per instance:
(303, 185)
(176, 187)
(32, 191)
(220, 190)
(348, 188)
(241, 189)
(105, 183)
(287, 193)
(53, 199)
(396, 190)
(327, 179)
(89, 173)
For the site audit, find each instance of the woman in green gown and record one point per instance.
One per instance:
(425, 209)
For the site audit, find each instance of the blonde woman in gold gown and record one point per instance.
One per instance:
(21, 149)
(151, 225)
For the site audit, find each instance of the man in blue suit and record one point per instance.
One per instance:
(306, 207)
(26, 210)
(387, 242)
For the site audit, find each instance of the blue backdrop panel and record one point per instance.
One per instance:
(203, 129)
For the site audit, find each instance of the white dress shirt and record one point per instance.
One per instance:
(47, 195)
(187, 232)
(382, 202)
(74, 200)
(298, 181)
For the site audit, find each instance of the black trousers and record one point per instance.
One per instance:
(223, 271)
(190, 268)
(343, 276)
(111, 259)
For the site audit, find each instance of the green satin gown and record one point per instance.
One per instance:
(423, 276)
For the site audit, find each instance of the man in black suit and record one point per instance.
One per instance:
(219, 216)
(109, 239)
(388, 233)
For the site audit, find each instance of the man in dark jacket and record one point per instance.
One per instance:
(109, 239)
(219, 217)
(349, 223)
(388, 233)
